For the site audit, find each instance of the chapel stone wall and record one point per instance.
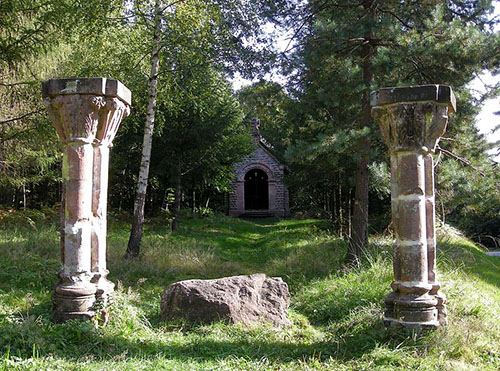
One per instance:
(278, 192)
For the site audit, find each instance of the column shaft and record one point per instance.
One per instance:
(409, 222)
(409, 303)
(77, 177)
(412, 119)
(74, 295)
(430, 217)
(430, 208)
(86, 114)
(99, 224)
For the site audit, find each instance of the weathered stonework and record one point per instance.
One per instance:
(86, 114)
(412, 119)
(237, 299)
(260, 159)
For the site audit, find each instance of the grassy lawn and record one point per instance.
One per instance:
(335, 312)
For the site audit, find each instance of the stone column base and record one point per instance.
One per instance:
(73, 300)
(441, 308)
(103, 296)
(411, 310)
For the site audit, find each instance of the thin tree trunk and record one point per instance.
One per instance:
(349, 214)
(24, 196)
(164, 201)
(177, 203)
(134, 241)
(341, 214)
(193, 200)
(359, 233)
(335, 215)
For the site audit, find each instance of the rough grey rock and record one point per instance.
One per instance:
(238, 299)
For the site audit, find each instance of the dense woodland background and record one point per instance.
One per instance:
(318, 121)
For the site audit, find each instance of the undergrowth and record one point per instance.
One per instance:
(336, 312)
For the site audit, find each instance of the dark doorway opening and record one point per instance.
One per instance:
(256, 190)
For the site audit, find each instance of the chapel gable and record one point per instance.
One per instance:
(258, 186)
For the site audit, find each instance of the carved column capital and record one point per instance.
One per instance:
(412, 126)
(84, 110)
(75, 117)
(412, 118)
(111, 116)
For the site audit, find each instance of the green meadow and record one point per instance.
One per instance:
(336, 311)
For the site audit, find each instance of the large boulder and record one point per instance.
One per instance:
(238, 299)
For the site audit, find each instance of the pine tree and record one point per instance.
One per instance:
(345, 49)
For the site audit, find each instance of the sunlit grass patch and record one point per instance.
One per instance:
(336, 311)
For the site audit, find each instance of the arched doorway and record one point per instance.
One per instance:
(256, 190)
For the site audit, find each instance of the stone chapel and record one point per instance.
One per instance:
(258, 186)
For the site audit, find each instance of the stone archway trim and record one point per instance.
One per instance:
(256, 165)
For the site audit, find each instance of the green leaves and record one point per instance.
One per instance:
(412, 42)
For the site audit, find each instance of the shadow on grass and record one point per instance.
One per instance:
(280, 248)
(486, 268)
(212, 248)
(474, 260)
(202, 349)
(79, 341)
(149, 337)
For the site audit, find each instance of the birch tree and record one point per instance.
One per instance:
(134, 241)
(219, 34)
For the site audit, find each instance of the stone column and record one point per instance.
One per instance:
(431, 239)
(84, 113)
(112, 114)
(412, 119)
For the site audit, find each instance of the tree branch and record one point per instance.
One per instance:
(21, 117)
(395, 16)
(462, 160)
(10, 85)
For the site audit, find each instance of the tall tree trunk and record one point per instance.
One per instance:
(24, 196)
(134, 241)
(359, 233)
(164, 203)
(335, 215)
(193, 200)
(177, 203)
(341, 211)
(349, 214)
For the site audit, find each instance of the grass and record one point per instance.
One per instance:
(335, 311)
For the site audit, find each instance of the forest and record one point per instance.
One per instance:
(190, 126)
(354, 299)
